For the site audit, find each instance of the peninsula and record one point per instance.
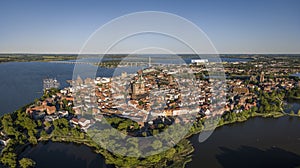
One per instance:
(256, 88)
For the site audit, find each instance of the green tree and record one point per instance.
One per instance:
(32, 139)
(170, 153)
(24, 121)
(144, 134)
(155, 132)
(9, 159)
(43, 133)
(267, 107)
(7, 124)
(47, 124)
(156, 144)
(26, 163)
(160, 126)
(153, 158)
(122, 126)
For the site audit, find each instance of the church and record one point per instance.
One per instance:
(138, 87)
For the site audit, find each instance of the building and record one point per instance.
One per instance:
(240, 90)
(199, 61)
(84, 122)
(138, 87)
(262, 77)
(50, 110)
(171, 79)
(253, 78)
(49, 83)
(124, 75)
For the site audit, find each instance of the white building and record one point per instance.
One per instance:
(199, 61)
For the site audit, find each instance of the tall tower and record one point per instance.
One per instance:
(253, 78)
(171, 79)
(262, 77)
(149, 61)
(138, 87)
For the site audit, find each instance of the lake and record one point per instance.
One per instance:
(22, 82)
(296, 75)
(50, 154)
(258, 142)
(292, 105)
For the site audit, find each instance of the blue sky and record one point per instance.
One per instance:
(233, 26)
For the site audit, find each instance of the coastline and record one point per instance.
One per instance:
(98, 150)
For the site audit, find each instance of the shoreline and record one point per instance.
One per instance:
(101, 151)
(19, 149)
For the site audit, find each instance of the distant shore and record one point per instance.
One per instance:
(34, 57)
(27, 57)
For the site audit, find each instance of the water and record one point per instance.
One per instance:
(292, 105)
(21, 82)
(258, 142)
(49, 155)
(296, 75)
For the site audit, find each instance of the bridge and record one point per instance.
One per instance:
(115, 64)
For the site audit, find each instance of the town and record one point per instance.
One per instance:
(147, 102)
(166, 93)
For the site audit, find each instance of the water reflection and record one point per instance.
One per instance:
(50, 154)
(261, 135)
(249, 157)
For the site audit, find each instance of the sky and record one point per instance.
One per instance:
(233, 26)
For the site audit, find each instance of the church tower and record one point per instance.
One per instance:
(262, 77)
(138, 87)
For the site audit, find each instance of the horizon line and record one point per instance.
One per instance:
(58, 53)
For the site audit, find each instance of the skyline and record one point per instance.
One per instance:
(271, 26)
